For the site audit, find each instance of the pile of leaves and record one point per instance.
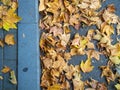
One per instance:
(58, 47)
(8, 16)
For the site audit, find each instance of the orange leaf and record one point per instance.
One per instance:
(5, 69)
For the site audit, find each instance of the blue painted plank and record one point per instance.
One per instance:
(28, 10)
(1, 57)
(28, 57)
(6, 84)
(10, 52)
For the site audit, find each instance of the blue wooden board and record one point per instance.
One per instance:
(28, 46)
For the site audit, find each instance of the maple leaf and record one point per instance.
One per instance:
(10, 20)
(86, 66)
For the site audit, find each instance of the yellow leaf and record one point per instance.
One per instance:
(115, 59)
(86, 66)
(10, 20)
(54, 87)
(6, 2)
(117, 86)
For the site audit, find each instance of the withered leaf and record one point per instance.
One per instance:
(107, 29)
(1, 43)
(107, 72)
(64, 39)
(56, 31)
(93, 54)
(77, 83)
(9, 39)
(95, 85)
(86, 66)
(42, 5)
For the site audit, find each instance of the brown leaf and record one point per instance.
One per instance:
(111, 8)
(9, 39)
(1, 43)
(95, 85)
(107, 72)
(67, 56)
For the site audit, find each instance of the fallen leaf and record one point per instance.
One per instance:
(107, 29)
(13, 77)
(93, 54)
(77, 83)
(10, 20)
(107, 72)
(64, 38)
(42, 5)
(56, 31)
(67, 56)
(5, 69)
(95, 85)
(9, 39)
(117, 86)
(54, 87)
(1, 43)
(1, 77)
(86, 66)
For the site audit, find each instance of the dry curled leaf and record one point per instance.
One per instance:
(107, 72)
(77, 83)
(5, 69)
(95, 85)
(107, 29)
(93, 54)
(67, 56)
(9, 39)
(86, 66)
